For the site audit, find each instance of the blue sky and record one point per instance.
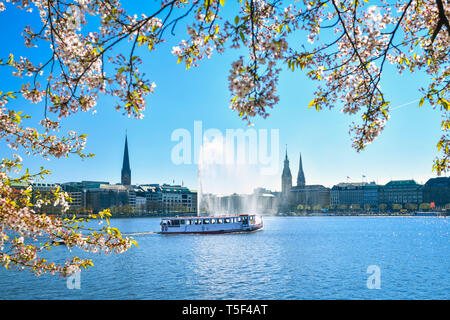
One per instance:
(404, 150)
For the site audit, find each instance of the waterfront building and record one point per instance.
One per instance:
(75, 192)
(126, 170)
(401, 192)
(141, 204)
(43, 187)
(104, 196)
(194, 199)
(170, 198)
(308, 195)
(208, 203)
(353, 195)
(347, 194)
(261, 201)
(178, 198)
(370, 194)
(152, 195)
(42, 192)
(437, 191)
(230, 204)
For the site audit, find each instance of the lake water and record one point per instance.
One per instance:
(292, 258)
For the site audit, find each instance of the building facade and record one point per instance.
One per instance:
(347, 194)
(106, 196)
(437, 191)
(310, 195)
(354, 195)
(75, 192)
(169, 198)
(401, 192)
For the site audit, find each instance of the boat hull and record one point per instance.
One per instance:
(249, 229)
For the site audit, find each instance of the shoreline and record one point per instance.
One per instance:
(422, 214)
(304, 216)
(318, 214)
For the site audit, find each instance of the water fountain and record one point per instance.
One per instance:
(226, 187)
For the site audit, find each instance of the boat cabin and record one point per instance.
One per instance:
(213, 223)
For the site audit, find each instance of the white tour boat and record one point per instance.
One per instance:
(218, 224)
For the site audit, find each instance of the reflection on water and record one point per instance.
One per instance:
(292, 258)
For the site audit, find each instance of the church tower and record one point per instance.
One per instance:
(126, 171)
(301, 175)
(286, 179)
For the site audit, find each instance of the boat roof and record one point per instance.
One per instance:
(209, 217)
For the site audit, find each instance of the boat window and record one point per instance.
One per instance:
(198, 221)
(205, 221)
(219, 220)
(227, 220)
(188, 222)
(213, 221)
(182, 222)
(239, 219)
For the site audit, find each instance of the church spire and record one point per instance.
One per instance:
(286, 179)
(301, 175)
(286, 170)
(126, 171)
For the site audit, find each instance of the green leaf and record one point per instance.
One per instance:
(384, 105)
(444, 103)
(242, 36)
(421, 101)
(236, 20)
(150, 44)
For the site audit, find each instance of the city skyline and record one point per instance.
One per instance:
(404, 150)
(301, 181)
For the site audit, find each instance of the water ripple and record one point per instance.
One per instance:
(292, 258)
